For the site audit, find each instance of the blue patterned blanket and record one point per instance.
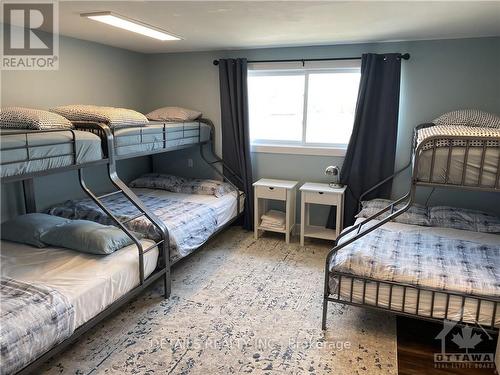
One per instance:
(189, 224)
(33, 319)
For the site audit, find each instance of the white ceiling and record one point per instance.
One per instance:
(211, 25)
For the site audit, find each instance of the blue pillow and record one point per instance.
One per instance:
(88, 237)
(29, 228)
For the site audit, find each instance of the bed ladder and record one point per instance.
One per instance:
(163, 244)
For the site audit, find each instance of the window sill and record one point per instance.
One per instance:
(298, 150)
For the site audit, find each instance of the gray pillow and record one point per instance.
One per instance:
(32, 119)
(87, 236)
(29, 228)
(173, 114)
(465, 219)
(417, 214)
(113, 117)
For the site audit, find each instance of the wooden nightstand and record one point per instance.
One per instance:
(320, 194)
(281, 190)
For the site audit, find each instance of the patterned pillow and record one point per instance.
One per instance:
(32, 119)
(183, 185)
(173, 114)
(465, 219)
(417, 214)
(113, 117)
(159, 181)
(469, 117)
(206, 187)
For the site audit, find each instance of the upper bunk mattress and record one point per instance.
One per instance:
(38, 283)
(133, 140)
(451, 260)
(190, 218)
(473, 175)
(52, 149)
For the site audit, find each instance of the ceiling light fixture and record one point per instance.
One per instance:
(130, 25)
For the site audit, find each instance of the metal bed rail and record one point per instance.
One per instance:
(454, 302)
(29, 150)
(450, 144)
(164, 243)
(186, 136)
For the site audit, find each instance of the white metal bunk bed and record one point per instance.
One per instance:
(441, 157)
(27, 154)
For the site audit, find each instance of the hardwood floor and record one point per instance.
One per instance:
(417, 344)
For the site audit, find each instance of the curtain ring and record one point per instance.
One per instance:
(303, 63)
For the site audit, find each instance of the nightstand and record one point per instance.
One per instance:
(281, 190)
(314, 193)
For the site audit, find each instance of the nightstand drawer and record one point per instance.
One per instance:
(270, 192)
(321, 198)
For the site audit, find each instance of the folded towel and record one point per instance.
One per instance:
(272, 225)
(274, 216)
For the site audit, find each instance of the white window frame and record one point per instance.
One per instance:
(302, 147)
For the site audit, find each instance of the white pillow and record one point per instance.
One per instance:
(112, 116)
(32, 119)
(173, 114)
(469, 117)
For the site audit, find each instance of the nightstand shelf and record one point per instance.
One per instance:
(315, 193)
(280, 190)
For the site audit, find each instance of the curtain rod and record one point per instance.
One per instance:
(403, 56)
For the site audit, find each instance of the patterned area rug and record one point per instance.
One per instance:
(238, 306)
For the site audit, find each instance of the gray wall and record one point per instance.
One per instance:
(88, 73)
(441, 75)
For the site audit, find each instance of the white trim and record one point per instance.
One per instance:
(299, 150)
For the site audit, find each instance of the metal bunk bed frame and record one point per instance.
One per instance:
(162, 270)
(407, 200)
(108, 146)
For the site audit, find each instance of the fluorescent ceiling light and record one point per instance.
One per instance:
(130, 25)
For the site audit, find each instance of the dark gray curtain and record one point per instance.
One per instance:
(372, 146)
(235, 128)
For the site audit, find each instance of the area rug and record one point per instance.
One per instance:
(238, 306)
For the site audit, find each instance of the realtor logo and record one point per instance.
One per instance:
(30, 36)
(462, 351)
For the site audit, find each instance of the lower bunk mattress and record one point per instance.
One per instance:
(48, 293)
(410, 257)
(190, 218)
(158, 136)
(50, 150)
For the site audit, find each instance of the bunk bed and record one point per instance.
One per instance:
(425, 272)
(192, 219)
(27, 154)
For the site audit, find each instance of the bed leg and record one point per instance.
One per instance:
(167, 287)
(325, 311)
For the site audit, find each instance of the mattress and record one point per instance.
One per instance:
(190, 218)
(225, 206)
(472, 168)
(55, 147)
(134, 140)
(397, 293)
(90, 282)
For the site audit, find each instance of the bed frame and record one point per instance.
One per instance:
(361, 230)
(162, 271)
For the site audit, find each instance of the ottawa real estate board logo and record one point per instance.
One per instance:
(30, 36)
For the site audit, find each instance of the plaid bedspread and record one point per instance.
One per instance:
(423, 260)
(189, 224)
(33, 320)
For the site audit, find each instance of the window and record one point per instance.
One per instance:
(306, 107)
